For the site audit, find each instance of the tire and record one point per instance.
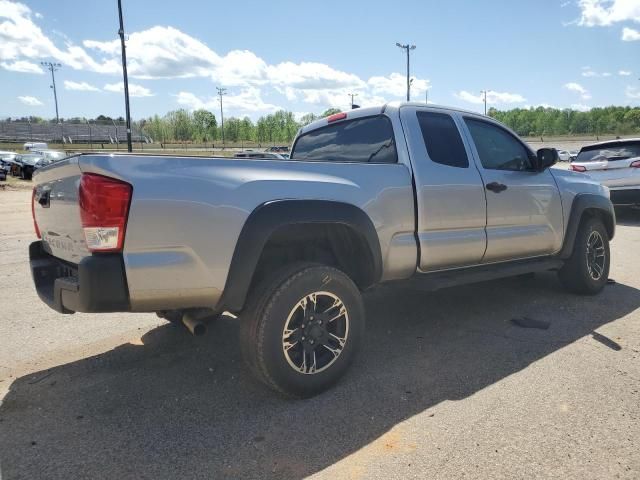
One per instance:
(285, 361)
(580, 274)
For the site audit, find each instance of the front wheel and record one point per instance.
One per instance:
(587, 270)
(302, 328)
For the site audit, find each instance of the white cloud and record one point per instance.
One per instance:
(624, 73)
(607, 12)
(22, 66)
(29, 100)
(633, 93)
(577, 88)
(21, 39)
(589, 72)
(134, 89)
(396, 85)
(248, 101)
(580, 107)
(80, 86)
(630, 35)
(492, 97)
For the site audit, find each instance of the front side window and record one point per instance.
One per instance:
(497, 148)
(367, 139)
(442, 139)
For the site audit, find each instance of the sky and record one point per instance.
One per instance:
(308, 56)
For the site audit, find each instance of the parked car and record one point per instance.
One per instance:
(4, 171)
(616, 165)
(26, 164)
(255, 154)
(573, 154)
(406, 193)
(34, 146)
(52, 155)
(7, 160)
(564, 156)
(278, 149)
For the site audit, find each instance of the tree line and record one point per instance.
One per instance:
(540, 122)
(202, 126)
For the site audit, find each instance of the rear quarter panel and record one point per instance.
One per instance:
(187, 213)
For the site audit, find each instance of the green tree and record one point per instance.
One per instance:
(204, 126)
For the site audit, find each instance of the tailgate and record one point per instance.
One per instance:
(57, 211)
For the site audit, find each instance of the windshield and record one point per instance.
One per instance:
(610, 152)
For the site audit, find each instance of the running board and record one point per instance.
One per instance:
(451, 278)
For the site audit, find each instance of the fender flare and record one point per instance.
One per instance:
(269, 217)
(581, 203)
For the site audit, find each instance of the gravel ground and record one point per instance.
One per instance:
(446, 386)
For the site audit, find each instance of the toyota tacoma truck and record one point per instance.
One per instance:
(407, 193)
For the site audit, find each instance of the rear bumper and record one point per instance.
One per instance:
(625, 197)
(97, 284)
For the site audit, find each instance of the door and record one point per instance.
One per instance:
(449, 190)
(524, 210)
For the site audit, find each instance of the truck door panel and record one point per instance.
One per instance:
(524, 210)
(450, 193)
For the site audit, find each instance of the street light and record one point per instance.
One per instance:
(484, 92)
(352, 95)
(125, 77)
(221, 91)
(53, 67)
(407, 47)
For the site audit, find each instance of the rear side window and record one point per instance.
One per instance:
(442, 139)
(367, 139)
(609, 152)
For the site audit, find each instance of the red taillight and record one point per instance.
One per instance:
(578, 168)
(104, 208)
(336, 116)
(33, 212)
(635, 164)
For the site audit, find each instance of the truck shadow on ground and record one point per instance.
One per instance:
(183, 407)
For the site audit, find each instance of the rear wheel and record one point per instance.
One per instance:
(587, 270)
(302, 328)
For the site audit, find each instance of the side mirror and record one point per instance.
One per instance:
(546, 158)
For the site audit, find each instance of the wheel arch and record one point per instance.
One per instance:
(584, 206)
(302, 220)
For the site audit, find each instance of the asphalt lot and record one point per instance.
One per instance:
(446, 386)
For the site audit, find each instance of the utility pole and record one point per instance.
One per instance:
(221, 92)
(352, 95)
(484, 92)
(408, 48)
(426, 97)
(52, 67)
(126, 79)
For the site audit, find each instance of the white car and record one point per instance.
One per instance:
(563, 156)
(34, 145)
(615, 164)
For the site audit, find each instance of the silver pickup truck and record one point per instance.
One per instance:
(430, 196)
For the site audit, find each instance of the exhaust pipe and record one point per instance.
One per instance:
(194, 323)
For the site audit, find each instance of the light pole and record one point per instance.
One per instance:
(221, 92)
(126, 79)
(352, 95)
(484, 92)
(408, 48)
(53, 67)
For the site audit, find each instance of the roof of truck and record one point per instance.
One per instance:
(377, 110)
